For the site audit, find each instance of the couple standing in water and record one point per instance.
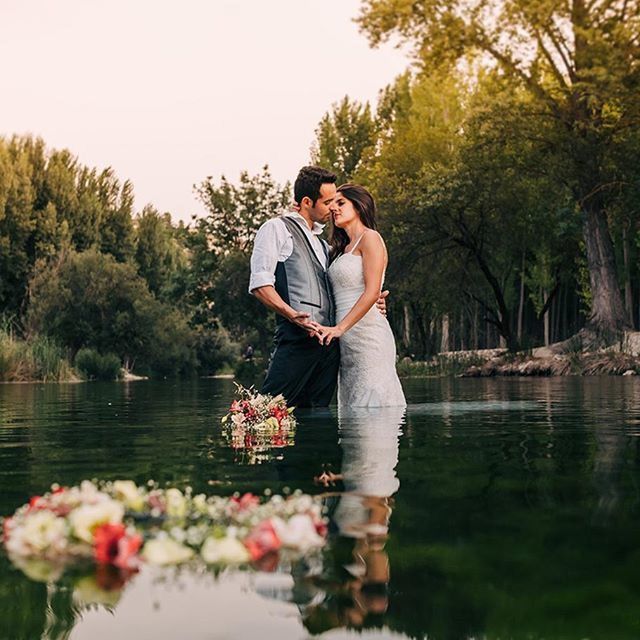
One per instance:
(331, 314)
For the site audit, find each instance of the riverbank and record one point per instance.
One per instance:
(622, 359)
(43, 360)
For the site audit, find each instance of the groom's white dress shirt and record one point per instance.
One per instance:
(273, 244)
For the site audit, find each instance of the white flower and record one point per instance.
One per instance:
(89, 493)
(85, 519)
(200, 503)
(165, 551)
(176, 503)
(38, 533)
(226, 550)
(297, 533)
(128, 492)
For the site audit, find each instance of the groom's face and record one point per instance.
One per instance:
(321, 212)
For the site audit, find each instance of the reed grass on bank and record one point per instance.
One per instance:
(40, 359)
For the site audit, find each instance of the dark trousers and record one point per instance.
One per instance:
(303, 371)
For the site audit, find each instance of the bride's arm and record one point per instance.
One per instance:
(374, 257)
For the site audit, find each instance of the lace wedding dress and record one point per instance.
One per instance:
(368, 375)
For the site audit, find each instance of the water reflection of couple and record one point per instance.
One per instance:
(359, 592)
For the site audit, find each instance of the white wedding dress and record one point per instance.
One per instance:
(368, 375)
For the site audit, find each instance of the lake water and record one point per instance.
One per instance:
(496, 508)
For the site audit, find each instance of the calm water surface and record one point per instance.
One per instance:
(492, 509)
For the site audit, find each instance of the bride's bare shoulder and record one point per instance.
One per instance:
(373, 241)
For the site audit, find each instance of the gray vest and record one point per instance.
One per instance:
(302, 282)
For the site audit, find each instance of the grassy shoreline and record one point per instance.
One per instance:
(37, 360)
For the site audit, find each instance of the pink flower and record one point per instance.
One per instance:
(156, 502)
(7, 525)
(112, 545)
(235, 407)
(262, 540)
(246, 501)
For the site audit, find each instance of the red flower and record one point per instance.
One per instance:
(321, 528)
(114, 546)
(278, 439)
(36, 503)
(246, 501)
(279, 413)
(262, 540)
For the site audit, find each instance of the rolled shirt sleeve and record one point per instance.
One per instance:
(268, 248)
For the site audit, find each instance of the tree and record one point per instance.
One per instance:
(343, 138)
(116, 228)
(161, 256)
(579, 62)
(90, 300)
(221, 245)
(234, 213)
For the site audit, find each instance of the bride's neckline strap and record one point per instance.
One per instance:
(357, 241)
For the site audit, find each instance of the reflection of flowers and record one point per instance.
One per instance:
(165, 550)
(118, 524)
(257, 423)
(227, 550)
(113, 545)
(104, 586)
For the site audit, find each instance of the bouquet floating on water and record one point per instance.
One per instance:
(257, 423)
(253, 410)
(122, 524)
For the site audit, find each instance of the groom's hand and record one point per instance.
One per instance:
(382, 303)
(303, 320)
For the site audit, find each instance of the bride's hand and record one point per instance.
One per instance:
(327, 334)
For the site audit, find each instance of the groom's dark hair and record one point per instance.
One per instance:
(309, 181)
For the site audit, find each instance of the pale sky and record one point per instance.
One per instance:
(168, 92)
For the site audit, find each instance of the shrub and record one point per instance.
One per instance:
(88, 300)
(95, 366)
(216, 350)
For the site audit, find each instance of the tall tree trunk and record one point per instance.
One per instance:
(521, 302)
(608, 316)
(423, 336)
(628, 292)
(444, 342)
(463, 345)
(406, 327)
(545, 297)
(475, 327)
(565, 298)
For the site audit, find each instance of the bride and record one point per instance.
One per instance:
(367, 375)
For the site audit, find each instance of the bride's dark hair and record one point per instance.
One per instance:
(365, 206)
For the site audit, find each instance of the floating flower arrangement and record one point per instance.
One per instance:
(258, 423)
(123, 525)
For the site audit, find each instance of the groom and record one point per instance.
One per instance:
(289, 275)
